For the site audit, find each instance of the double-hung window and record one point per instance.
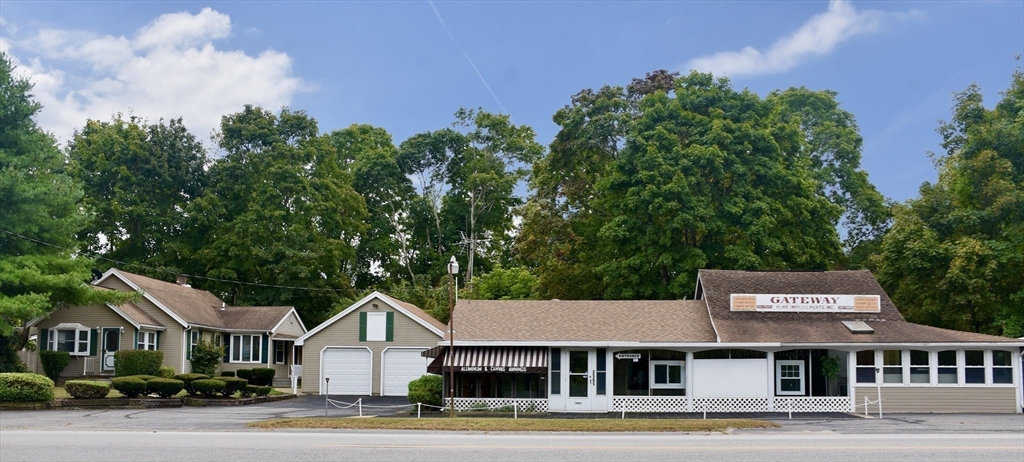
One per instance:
(866, 366)
(974, 366)
(1002, 366)
(789, 377)
(892, 366)
(74, 341)
(246, 348)
(279, 353)
(920, 371)
(947, 366)
(147, 340)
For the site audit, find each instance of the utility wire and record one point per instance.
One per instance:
(159, 270)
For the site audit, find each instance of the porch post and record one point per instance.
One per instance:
(771, 381)
(689, 381)
(851, 378)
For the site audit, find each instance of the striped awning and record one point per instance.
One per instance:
(516, 360)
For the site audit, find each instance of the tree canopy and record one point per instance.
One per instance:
(955, 255)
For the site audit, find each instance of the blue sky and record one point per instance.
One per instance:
(895, 65)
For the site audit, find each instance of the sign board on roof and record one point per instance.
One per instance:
(806, 303)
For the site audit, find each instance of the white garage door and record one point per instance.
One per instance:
(349, 370)
(402, 366)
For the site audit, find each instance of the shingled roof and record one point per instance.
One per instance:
(591, 320)
(199, 307)
(716, 286)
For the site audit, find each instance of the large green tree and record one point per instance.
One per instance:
(280, 211)
(139, 179)
(955, 255)
(41, 212)
(645, 184)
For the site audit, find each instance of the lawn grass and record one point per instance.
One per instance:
(516, 425)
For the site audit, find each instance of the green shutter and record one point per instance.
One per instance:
(136, 339)
(94, 336)
(43, 340)
(390, 336)
(227, 348)
(265, 342)
(362, 327)
(188, 344)
(157, 340)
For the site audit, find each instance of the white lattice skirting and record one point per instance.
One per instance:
(649, 403)
(730, 404)
(493, 404)
(813, 404)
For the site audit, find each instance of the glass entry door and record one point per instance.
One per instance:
(581, 379)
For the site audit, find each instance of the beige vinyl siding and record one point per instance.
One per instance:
(91, 317)
(291, 326)
(171, 339)
(941, 399)
(345, 333)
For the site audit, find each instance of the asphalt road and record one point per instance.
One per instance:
(35, 445)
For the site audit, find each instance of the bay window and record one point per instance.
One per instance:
(75, 341)
(147, 340)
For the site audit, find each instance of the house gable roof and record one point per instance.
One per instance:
(717, 286)
(409, 310)
(135, 315)
(545, 321)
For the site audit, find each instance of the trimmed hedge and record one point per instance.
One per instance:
(165, 372)
(264, 391)
(187, 379)
(25, 386)
(244, 374)
(426, 390)
(209, 387)
(262, 376)
(137, 362)
(87, 389)
(227, 373)
(130, 387)
(165, 388)
(255, 390)
(233, 384)
(147, 378)
(54, 362)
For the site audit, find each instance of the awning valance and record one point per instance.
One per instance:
(515, 360)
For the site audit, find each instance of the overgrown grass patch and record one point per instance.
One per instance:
(516, 425)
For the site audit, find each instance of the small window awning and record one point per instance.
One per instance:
(514, 360)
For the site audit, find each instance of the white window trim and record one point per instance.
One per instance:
(991, 361)
(904, 370)
(682, 374)
(778, 377)
(284, 352)
(876, 366)
(144, 337)
(53, 333)
(255, 349)
(376, 320)
(933, 368)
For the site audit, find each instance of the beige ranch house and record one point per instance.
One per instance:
(169, 317)
(749, 342)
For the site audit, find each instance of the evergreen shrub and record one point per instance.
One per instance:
(87, 389)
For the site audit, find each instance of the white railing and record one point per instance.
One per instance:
(812, 404)
(731, 405)
(649, 404)
(493, 404)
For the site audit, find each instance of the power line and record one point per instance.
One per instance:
(159, 270)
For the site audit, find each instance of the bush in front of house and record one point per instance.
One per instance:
(206, 357)
(227, 373)
(165, 372)
(130, 387)
(147, 378)
(262, 376)
(54, 362)
(137, 362)
(263, 390)
(165, 388)
(25, 386)
(87, 389)
(187, 379)
(244, 374)
(255, 390)
(426, 390)
(209, 387)
(233, 385)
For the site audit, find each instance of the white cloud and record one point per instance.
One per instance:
(818, 36)
(170, 68)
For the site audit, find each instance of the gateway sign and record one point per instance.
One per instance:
(806, 303)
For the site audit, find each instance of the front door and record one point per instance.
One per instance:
(111, 343)
(581, 380)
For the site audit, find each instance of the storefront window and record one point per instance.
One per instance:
(947, 366)
(630, 373)
(919, 367)
(1002, 366)
(892, 370)
(974, 366)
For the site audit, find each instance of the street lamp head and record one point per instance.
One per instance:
(453, 266)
